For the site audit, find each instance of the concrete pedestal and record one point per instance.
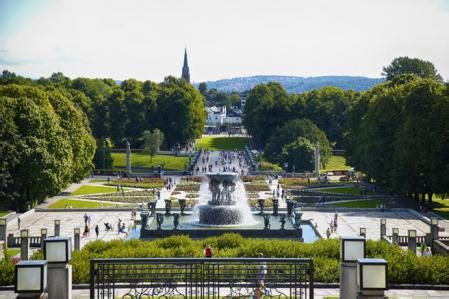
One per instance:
(3, 232)
(412, 244)
(434, 231)
(383, 230)
(24, 249)
(57, 230)
(348, 280)
(77, 242)
(59, 279)
(43, 237)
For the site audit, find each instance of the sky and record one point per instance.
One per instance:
(145, 39)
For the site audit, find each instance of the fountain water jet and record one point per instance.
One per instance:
(223, 208)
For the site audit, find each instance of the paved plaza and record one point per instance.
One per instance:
(34, 222)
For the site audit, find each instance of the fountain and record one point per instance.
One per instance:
(222, 208)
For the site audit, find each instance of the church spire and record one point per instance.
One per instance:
(185, 68)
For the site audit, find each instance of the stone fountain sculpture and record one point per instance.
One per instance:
(221, 209)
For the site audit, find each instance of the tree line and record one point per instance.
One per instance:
(51, 127)
(397, 133)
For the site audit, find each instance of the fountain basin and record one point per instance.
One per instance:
(219, 215)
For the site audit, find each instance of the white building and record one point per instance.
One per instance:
(217, 116)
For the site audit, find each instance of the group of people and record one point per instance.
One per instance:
(332, 226)
(87, 223)
(170, 184)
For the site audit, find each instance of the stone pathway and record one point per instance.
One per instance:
(349, 222)
(69, 220)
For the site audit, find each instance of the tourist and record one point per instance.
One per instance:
(328, 233)
(97, 230)
(18, 222)
(119, 226)
(335, 218)
(86, 231)
(263, 270)
(331, 225)
(208, 251)
(85, 218)
(123, 230)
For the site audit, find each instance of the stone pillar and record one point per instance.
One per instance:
(59, 281)
(434, 228)
(395, 236)
(10, 240)
(383, 227)
(43, 236)
(57, 228)
(128, 158)
(24, 245)
(76, 238)
(275, 206)
(3, 225)
(412, 241)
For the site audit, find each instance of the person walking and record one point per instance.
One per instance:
(208, 251)
(328, 233)
(97, 230)
(18, 222)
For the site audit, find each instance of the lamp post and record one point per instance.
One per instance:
(363, 232)
(396, 235)
(434, 227)
(57, 227)
(412, 240)
(3, 229)
(383, 227)
(76, 238)
(44, 233)
(24, 245)
(371, 278)
(58, 253)
(351, 249)
(31, 279)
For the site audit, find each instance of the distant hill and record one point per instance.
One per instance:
(295, 84)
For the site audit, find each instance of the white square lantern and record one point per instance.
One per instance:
(412, 233)
(434, 221)
(58, 249)
(31, 277)
(2, 221)
(372, 274)
(352, 248)
(24, 233)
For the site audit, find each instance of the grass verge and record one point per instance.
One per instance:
(79, 204)
(336, 163)
(217, 143)
(143, 161)
(92, 190)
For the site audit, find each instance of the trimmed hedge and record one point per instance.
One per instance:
(404, 267)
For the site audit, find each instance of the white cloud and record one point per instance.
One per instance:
(226, 38)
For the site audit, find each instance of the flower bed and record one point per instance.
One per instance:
(188, 187)
(252, 178)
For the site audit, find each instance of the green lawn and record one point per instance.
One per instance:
(359, 204)
(3, 213)
(78, 204)
(441, 207)
(336, 163)
(343, 190)
(268, 166)
(143, 161)
(93, 189)
(216, 143)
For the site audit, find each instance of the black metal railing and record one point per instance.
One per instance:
(201, 278)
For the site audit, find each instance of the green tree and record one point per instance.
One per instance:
(416, 66)
(103, 158)
(152, 142)
(202, 88)
(289, 133)
(181, 113)
(268, 107)
(299, 155)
